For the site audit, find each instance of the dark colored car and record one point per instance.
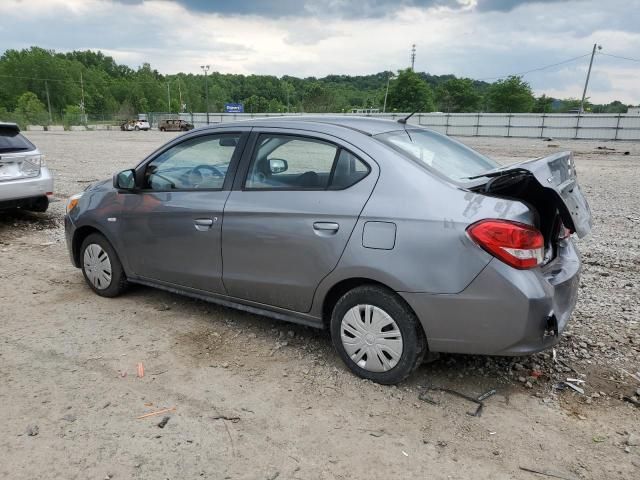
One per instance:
(174, 126)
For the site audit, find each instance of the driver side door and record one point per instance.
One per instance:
(171, 225)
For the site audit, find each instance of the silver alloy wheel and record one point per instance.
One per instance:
(97, 266)
(371, 338)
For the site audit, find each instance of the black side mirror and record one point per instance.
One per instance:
(277, 165)
(125, 180)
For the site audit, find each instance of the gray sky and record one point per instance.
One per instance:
(480, 39)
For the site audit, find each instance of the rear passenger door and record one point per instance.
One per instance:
(289, 217)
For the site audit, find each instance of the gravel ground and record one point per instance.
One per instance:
(258, 399)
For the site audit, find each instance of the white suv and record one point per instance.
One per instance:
(25, 181)
(135, 125)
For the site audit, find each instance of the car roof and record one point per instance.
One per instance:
(10, 125)
(365, 125)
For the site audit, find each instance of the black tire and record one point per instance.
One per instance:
(162, 129)
(414, 343)
(118, 282)
(136, 128)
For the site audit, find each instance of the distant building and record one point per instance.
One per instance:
(633, 111)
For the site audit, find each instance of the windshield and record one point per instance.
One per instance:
(447, 156)
(13, 141)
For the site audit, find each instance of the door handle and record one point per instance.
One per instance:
(203, 224)
(326, 227)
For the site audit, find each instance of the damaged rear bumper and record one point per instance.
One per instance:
(504, 311)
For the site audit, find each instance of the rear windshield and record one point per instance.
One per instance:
(436, 151)
(13, 141)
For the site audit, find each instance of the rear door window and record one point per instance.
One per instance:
(284, 162)
(12, 140)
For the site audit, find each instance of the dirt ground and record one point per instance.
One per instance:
(255, 398)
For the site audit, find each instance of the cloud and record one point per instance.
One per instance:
(476, 39)
(305, 8)
(508, 5)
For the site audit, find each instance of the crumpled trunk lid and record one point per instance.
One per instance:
(15, 167)
(556, 174)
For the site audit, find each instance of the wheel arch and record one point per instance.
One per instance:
(78, 237)
(345, 285)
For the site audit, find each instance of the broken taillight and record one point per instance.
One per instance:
(516, 244)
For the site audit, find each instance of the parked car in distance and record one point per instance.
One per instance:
(131, 125)
(174, 126)
(25, 181)
(396, 238)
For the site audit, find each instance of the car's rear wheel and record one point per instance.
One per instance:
(101, 266)
(377, 335)
(162, 129)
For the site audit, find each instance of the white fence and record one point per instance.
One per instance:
(533, 125)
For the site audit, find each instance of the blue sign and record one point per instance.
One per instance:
(234, 107)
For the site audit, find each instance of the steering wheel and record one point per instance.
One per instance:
(214, 170)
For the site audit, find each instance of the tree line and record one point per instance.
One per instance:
(40, 86)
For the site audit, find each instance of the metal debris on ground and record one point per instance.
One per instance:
(636, 376)
(477, 400)
(164, 421)
(631, 400)
(224, 417)
(548, 473)
(567, 383)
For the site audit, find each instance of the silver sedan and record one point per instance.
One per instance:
(398, 239)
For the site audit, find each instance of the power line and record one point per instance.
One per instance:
(538, 69)
(618, 56)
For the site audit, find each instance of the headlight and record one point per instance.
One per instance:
(73, 201)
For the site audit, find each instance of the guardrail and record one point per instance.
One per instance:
(588, 126)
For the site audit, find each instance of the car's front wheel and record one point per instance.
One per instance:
(377, 335)
(101, 266)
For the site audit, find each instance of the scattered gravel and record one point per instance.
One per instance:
(301, 413)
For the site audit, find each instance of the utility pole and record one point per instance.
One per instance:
(46, 87)
(586, 82)
(169, 95)
(413, 56)
(205, 69)
(180, 94)
(82, 102)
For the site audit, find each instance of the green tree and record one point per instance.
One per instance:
(573, 104)
(616, 107)
(543, 104)
(409, 93)
(458, 95)
(256, 104)
(318, 98)
(72, 115)
(511, 95)
(31, 109)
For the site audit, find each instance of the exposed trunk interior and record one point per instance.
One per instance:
(521, 185)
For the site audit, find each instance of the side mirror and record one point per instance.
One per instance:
(125, 180)
(277, 165)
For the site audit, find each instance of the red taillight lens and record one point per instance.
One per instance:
(516, 244)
